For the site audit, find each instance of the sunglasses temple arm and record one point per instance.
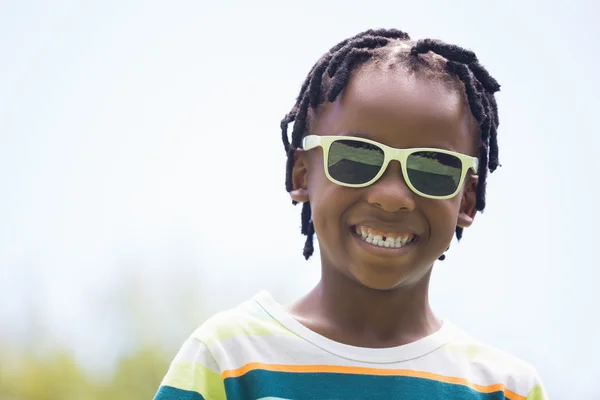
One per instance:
(310, 142)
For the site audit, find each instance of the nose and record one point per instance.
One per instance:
(390, 192)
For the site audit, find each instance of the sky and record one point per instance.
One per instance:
(141, 168)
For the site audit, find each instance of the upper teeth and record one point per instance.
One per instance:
(384, 239)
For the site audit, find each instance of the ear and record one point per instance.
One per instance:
(299, 191)
(467, 210)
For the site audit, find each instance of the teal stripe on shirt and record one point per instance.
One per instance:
(171, 393)
(261, 383)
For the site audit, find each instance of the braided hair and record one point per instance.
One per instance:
(330, 75)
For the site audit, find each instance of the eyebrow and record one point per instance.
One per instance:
(364, 135)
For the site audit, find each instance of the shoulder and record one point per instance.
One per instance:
(246, 321)
(486, 356)
(492, 364)
(226, 341)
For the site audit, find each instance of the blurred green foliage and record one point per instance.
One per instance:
(59, 377)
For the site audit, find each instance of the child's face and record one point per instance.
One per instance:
(402, 112)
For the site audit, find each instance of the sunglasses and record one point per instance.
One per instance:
(357, 162)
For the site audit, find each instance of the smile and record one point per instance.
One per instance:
(384, 239)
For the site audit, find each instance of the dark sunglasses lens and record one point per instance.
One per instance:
(354, 162)
(434, 173)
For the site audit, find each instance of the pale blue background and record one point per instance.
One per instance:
(116, 118)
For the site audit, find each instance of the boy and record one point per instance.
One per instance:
(389, 154)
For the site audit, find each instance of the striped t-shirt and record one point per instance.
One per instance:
(259, 351)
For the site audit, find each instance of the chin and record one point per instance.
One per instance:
(381, 283)
(382, 278)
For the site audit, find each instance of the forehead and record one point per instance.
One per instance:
(401, 109)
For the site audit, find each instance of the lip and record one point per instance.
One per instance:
(384, 251)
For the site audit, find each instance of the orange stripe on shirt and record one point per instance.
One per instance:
(369, 371)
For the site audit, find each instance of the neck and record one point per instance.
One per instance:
(365, 317)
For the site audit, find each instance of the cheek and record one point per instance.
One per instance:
(327, 200)
(450, 209)
(328, 203)
(442, 216)
(320, 188)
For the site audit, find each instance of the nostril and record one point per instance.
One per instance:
(392, 195)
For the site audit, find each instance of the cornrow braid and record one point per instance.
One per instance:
(340, 80)
(342, 59)
(449, 51)
(369, 42)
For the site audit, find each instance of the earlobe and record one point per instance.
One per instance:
(299, 191)
(467, 210)
(299, 195)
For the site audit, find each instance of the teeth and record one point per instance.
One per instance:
(388, 240)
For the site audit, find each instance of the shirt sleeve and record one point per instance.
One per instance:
(538, 392)
(193, 375)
